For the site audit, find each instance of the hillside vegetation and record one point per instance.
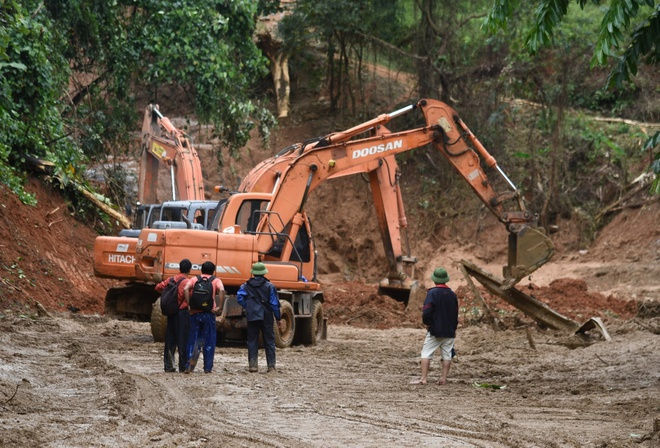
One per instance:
(76, 74)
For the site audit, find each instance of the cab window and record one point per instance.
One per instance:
(172, 214)
(248, 215)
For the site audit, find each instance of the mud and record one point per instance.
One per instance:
(80, 381)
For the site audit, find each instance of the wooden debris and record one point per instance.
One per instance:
(477, 295)
(45, 166)
(55, 222)
(602, 360)
(120, 217)
(53, 211)
(532, 307)
(40, 309)
(530, 339)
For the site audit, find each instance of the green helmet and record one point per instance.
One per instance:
(440, 276)
(259, 269)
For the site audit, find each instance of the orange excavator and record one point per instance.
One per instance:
(114, 256)
(162, 143)
(265, 220)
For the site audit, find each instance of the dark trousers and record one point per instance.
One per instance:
(176, 338)
(266, 328)
(202, 327)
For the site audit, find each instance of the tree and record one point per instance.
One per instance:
(32, 77)
(341, 27)
(642, 42)
(70, 70)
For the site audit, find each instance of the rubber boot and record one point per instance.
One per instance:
(253, 365)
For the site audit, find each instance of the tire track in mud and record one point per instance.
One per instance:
(192, 417)
(439, 432)
(475, 432)
(98, 382)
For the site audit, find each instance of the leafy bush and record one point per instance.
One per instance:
(68, 70)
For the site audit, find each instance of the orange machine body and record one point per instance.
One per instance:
(162, 144)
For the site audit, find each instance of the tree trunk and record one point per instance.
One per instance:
(557, 150)
(331, 75)
(279, 67)
(425, 41)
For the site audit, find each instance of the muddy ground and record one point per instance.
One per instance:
(84, 380)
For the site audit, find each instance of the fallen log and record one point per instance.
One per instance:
(477, 295)
(532, 307)
(47, 167)
(120, 217)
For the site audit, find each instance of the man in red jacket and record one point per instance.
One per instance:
(176, 334)
(440, 315)
(205, 295)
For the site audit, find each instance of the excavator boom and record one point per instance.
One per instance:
(297, 170)
(162, 143)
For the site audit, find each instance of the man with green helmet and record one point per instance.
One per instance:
(440, 315)
(259, 298)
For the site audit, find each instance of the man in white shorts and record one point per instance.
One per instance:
(440, 315)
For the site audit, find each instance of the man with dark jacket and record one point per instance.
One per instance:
(176, 334)
(259, 298)
(440, 315)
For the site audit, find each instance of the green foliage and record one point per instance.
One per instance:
(611, 36)
(650, 144)
(32, 77)
(548, 14)
(202, 47)
(69, 70)
(644, 41)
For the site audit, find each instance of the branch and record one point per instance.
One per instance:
(36, 11)
(85, 90)
(121, 218)
(391, 47)
(10, 398)
(433, 26)
(468, 18)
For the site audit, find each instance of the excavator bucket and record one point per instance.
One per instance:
(399, 293)
(529, 249)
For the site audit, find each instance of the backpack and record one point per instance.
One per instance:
(169, 298)
(201, 298)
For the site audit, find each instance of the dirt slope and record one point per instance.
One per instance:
(46, 254)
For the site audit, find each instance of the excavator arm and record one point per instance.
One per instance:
(162, 143)
(292, 174)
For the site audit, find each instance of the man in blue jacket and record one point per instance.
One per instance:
(259, 298)
(440, 315)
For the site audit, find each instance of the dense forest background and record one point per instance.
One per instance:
(564, 93)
